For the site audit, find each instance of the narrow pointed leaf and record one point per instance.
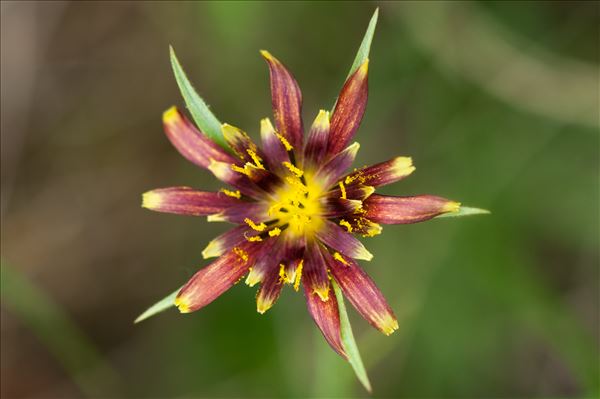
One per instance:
(204, 118)
(363, 51)
(348, 340)
(160, 306)
(464, 211)
(362, 54)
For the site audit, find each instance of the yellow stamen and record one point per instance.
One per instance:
(282, 276)
(358, 174)
(254, 226)
(255, 158)
(346, 224)
(254, 238)
(337, 256)
(275, 232)
(233, 194)
(242, 255)
(241, 170)
(286, 144)
(298, 275)
(342, 189)
(293, 169)
(373, 230)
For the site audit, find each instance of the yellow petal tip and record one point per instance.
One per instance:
(323, 293)
(171, 115)
(322, 119)
(151, 200)
(262, 306)
(389, 325)
(211, 250)
(452, 206)
(216, 217)
(182, 305)
(267, 55)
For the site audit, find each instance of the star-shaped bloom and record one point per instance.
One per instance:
(297, 207)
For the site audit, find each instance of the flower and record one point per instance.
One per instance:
(297, 207)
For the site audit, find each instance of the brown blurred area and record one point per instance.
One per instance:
(83, 88)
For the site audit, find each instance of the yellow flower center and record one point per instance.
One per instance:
(296, 203)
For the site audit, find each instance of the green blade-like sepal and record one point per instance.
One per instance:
(349, 342)
(160, 306)
(204, 118)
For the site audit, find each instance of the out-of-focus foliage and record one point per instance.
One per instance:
(500, 305)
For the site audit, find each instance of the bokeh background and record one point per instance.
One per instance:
(496, 102)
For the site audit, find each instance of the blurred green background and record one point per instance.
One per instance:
(496, 102)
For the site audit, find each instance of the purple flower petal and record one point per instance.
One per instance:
(331, 172)
(187, 201)
(314, 274)
(273, 146)
(340, 240)
(209, 283)
(191, 142)
(349, 110)
(316, 145)
(327, 317)
(287, 101)
(403, 210)
(362, 292)
(382, 173)
(227, 240)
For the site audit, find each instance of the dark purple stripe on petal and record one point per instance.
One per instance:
(349, 110)
(191, 142)
(362, 293)
(335, 168)
(209, 283)
(287, 101)
(316, 145)
(326, 316)
(255, 211)
(262, 178)
(340, 240)
(314, 274)
(274, 150)
(403, 210)
(187, 201)
(338, 207)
